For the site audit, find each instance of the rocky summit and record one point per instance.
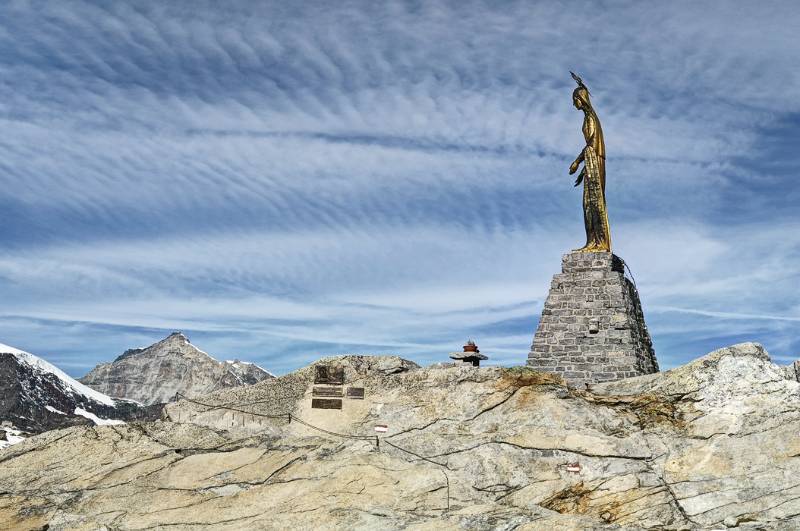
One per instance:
(173, 365)
(36, 396)
(710, 445)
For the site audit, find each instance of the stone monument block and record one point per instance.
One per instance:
(592, 327)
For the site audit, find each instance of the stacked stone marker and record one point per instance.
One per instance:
(592, 327)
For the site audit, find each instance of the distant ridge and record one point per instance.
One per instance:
(155, 374)
(36, 396)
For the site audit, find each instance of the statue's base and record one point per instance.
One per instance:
(592, 327)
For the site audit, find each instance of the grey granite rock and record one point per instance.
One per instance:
(793, 371)
(709, 444)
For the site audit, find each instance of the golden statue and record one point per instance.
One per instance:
(593, 174)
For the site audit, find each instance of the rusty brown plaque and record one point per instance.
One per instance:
(327, 391)
(355, 392)
(325, 374)
(326, 403)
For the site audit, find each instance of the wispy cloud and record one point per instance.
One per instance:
(286, 180)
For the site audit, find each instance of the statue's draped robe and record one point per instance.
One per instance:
(595, 216)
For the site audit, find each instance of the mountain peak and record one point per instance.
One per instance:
(176, 337)
(38, 396)
(172, 365)
(46, 367)
(174, 340)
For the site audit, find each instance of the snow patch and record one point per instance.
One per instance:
(54, 410)
(238, 363)
(97, 420)
(203, 352)
(74, 385)
(238, 378)
(13, 436)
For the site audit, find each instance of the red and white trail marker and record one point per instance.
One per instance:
(381, 428)
(574, 467)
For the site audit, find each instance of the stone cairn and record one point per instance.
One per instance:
(592, 327)
(471, 355)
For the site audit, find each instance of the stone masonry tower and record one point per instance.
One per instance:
(592, 327)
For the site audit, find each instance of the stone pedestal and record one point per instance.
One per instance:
(592, 327)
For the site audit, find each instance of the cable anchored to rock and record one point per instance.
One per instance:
(290, 417)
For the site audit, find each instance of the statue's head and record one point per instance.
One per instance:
(580, 96)
(580, 99)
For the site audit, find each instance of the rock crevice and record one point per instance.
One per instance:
(465, 448)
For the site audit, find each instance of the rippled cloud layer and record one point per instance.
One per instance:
(285, 181)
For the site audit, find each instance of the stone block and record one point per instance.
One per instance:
(592, 327)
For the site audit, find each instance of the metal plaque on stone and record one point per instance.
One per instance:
(328, 375)
(326, 403)
(356, 393)
(327, 391)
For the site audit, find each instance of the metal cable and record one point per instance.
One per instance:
(625, 264)
(288, 416)
(291, 417)
(212, 406)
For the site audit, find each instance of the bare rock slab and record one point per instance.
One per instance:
(704, 446)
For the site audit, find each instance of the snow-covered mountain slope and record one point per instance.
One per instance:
(247, 373)
(70, 383)
(173, 365)
(36, 396)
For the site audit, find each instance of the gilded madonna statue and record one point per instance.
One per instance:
(593, 174)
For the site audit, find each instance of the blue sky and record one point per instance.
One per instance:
(285, 180)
